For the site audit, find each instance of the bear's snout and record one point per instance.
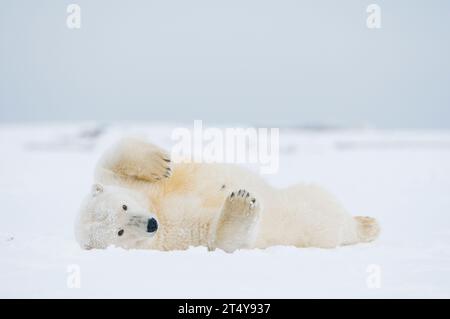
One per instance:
(152, 225)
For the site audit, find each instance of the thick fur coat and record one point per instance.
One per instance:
(141, 199)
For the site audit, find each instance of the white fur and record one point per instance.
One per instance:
(194, 205)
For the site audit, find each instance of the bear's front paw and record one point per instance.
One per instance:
(241, 203)
(135, 158)
(236, 225)
(158, 166)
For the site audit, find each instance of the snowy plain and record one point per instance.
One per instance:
(400, 177)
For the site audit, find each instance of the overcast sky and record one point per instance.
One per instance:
(278, 62)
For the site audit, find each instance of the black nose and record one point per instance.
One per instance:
(152, 225)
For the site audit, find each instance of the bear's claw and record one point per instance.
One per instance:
(244, 197)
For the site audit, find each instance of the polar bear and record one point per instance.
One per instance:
(141, 199)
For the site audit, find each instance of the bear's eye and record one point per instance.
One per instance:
(124, 207)
(120, 233)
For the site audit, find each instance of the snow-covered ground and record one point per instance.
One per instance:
(400, 177)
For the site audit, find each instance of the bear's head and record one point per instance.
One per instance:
(112, 215)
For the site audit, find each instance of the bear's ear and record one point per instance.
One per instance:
(96, 189)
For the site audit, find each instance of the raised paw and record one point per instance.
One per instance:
(159, 165)
(137, 159)
(241, 202)
(237, 222)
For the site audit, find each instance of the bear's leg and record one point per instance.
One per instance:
(368, 228)
(360, 229)
(138, 159)
(236, 224)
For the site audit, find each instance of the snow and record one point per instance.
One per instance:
(400, 177)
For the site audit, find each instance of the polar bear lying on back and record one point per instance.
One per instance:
(143, 200)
